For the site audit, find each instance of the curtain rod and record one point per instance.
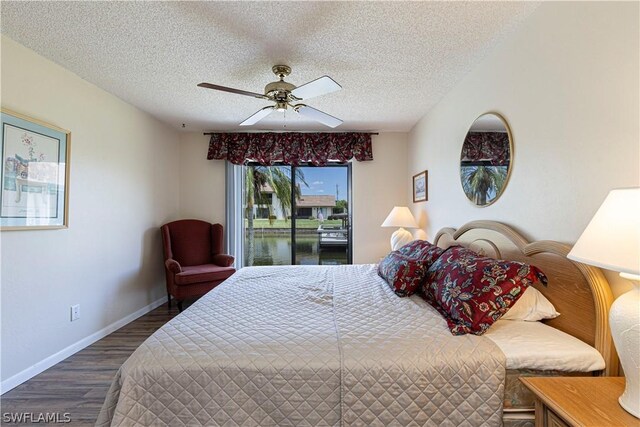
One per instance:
(213, 133)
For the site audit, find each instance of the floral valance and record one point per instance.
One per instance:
(291, 148)
(486, 147)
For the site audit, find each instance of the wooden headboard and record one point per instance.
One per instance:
(579, 292)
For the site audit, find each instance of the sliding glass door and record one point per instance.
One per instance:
(295, 215)
(321, 226)
(267, 212)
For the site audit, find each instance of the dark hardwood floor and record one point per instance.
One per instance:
(79, 384)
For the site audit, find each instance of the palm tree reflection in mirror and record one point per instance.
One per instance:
(482, 184)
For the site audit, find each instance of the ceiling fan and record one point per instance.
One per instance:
(285, 95)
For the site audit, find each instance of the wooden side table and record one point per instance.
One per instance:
(579, 401)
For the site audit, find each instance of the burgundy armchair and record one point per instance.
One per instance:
(193, 259)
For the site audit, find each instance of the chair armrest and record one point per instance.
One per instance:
(223, 260)
(173, 266)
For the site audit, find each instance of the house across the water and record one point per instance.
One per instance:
(307, 206)
(313, 206)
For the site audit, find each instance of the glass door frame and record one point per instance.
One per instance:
(294, 203)
(349, 208)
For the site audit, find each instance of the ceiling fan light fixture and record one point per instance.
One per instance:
(283, 94)
(281, 107)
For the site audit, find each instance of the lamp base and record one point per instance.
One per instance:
(399, 238)
(624, 320)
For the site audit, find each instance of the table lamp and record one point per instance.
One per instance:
(400, 216)
(612, 241)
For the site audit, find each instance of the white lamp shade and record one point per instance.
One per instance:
(612, 241)
(400, 216)
(612, 238)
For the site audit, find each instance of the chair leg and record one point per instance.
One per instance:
(168, 300)
(180, 306)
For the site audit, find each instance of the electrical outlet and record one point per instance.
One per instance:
(75, 312)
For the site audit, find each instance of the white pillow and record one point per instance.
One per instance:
(532, 306)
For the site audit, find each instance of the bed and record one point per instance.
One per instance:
(335, 346)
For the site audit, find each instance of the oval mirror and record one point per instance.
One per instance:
(485, 160)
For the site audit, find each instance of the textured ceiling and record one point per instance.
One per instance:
(394, 60)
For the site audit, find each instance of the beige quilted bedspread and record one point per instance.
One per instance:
(316, 346)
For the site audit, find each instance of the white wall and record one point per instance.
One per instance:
(377, 187)
(567, 82)
(202, 181)
(124, 185)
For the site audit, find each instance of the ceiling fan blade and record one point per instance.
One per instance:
(232, 90)
(318, 115)
(317, 87)
(259, 115)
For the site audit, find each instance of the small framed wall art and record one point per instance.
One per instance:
(34, 180)
(420, 184)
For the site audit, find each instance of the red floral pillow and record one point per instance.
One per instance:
(472, 292)
(404, 274)
(405, 269)
(422, 250)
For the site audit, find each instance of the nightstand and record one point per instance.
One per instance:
(579, 401)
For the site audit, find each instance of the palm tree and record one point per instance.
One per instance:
(279, 179)
(479, 182)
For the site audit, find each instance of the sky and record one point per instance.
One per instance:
(323, 181)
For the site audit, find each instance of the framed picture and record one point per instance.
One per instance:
(34, 180)
(420, 187)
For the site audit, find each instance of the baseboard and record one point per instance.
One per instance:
(45, 364)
